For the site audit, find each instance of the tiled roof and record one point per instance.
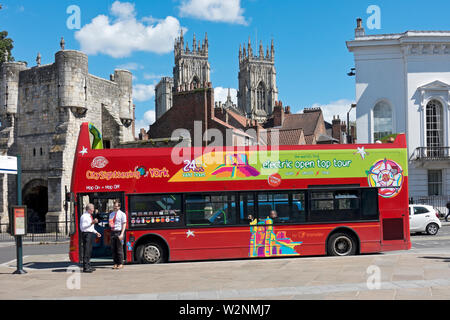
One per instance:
(239, 118)
(311, 139)
(307, 121)
(285, 137)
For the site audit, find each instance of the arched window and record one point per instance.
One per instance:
(434, 127)
(382, 120)
(195, 83)
(261, 97)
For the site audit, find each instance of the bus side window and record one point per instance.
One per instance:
(210, 209)
(369, 204)
(247, 208)
(278, 202)
(224, 209)
(283, 211)
(197, 210)
(298, 213)
(264, 210)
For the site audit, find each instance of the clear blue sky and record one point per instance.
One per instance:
(311, 57)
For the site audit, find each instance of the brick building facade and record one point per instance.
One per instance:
(193, 114)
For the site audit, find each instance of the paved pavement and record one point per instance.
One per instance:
(401, 275)
(391, 276)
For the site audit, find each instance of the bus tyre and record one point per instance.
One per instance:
(341, 244)
(432, 229)
(150, 252)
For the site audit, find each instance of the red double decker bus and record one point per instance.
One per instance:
(207, 203)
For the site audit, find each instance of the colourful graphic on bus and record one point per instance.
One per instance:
(388, 176)
(265, 243)
(235, 165)
(290, 164)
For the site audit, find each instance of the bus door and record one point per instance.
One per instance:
(103, 206)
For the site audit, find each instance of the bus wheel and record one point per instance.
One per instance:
(150, 252)
(341, 244)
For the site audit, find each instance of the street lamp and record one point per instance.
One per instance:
(352, 72)
(349, 139)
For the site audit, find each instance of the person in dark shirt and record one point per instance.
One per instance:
(448, 211)
(274, 216)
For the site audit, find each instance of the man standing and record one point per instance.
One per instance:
(87, 233)
(117, 223)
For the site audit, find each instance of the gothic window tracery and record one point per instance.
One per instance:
(195, 83)
(261, 96)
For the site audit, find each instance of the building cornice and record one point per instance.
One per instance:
(417, 42)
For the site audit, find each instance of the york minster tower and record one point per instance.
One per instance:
(190, 72)
(257, 82)
(257, 91)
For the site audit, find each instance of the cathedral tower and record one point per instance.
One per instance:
(257, 82)
(191, 71)
(192, 68)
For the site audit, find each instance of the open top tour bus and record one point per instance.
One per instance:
(214, 203)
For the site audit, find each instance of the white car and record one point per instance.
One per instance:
(424, 218)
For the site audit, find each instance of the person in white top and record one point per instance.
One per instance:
(117, 223)
(87, 233)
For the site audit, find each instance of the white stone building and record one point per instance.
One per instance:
(403, 85)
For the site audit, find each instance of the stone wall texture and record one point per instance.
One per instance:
(44, 108)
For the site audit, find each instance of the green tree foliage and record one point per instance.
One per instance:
(6, 45)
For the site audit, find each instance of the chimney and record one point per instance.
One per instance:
(287, 110)
(336, 128)
(359, 31)
(258, 133)
(278, 115)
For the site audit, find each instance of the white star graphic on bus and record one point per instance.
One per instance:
(362, 152)
(83, 151)
(190, 233)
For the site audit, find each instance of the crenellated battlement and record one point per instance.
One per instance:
(198, 48)
(9, 87)
(248, 56)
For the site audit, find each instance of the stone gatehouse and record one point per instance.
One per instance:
(41, 110)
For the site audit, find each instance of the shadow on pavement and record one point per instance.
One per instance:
(61, 266)
(444, 259)
(47, 265)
